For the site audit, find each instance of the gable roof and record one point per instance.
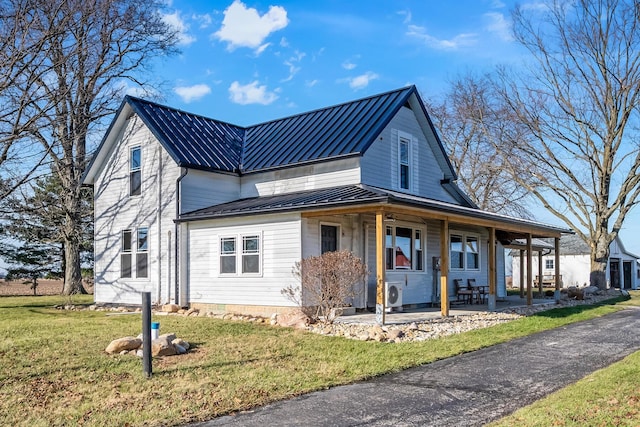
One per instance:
(330, 133)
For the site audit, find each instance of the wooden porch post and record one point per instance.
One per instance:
(444, 268)
(380, 268)
(521, 273)
(540, 290)
(529, 270)
(492, 269)
(556, 294)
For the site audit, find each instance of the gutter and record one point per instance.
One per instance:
(183, 173)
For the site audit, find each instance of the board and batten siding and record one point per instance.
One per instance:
(200, 189)
(310, 177)
(379, 165)
(281, 248)
(115, 211)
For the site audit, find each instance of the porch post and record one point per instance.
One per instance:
(492, 269)
(444, 268)
(556, 294)
(529, 270)
(521, 273)
(380, 268)
(540, 290)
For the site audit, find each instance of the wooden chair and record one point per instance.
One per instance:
(479, 290)
(463, 292)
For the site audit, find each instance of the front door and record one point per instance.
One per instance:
(328, 238)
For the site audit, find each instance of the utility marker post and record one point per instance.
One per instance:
(146, 333)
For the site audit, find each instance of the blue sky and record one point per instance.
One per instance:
(248, 62)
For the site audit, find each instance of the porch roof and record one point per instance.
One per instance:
(367, 199)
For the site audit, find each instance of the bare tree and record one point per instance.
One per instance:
(89, 51)
(579, 101)
(473, 124)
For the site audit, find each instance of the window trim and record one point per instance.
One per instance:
(133, 252)
(464, 236)
(135, 170)
(549, 261)
(338, 234)
(126, 253)
(239, 239)
(414, 250)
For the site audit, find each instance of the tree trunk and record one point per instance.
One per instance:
(72, 272)
(599, 261)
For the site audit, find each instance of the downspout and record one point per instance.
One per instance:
(183, 173)
(159, 220)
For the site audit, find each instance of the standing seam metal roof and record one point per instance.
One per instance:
(332, 132)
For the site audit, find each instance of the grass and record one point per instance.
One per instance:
(54, 371)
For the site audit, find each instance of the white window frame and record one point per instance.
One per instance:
(133, 170)
(133, 251)
(464, 236)
(405, 138)
(414, 250)
(338, 234)
(549, 261)
(239, 254)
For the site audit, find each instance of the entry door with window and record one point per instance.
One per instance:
(614, 272)
(328, 238)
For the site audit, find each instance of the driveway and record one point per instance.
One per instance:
(467, 390)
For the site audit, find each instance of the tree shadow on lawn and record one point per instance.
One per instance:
(558, 313)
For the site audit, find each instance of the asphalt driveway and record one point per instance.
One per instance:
(467, 390)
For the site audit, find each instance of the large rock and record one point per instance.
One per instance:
(182, 343)
(161, 346)
(123, 344)
(590, 290)
(170, 308)
(295, 319)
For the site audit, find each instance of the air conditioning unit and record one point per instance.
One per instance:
(393, 294)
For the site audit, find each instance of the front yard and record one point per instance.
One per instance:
(54, 371)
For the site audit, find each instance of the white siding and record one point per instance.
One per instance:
(310, 177)
(574, 269)
(199, 189)
(115, 211)
(280, 250)
(380, 163)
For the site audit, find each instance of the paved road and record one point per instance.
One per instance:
(467, 390)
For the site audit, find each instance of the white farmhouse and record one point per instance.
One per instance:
(208, 214)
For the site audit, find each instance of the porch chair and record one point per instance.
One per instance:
(479, 290)
(464, 293)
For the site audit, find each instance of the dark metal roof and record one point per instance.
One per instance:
(345, 129)
(191, 140)
(344, 196)
(342, 130)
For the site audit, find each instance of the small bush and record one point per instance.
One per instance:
(326, 284)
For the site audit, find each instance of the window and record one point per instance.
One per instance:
(403, 162)
(125, 255)
(141, 253)
(135, 171)
(549, 264)
(464, 252)
(246, 260)
(404, 248)
(250, 254)
(228, 255)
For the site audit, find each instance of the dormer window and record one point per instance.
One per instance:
(135, 171)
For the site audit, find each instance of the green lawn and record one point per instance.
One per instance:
(54, 371)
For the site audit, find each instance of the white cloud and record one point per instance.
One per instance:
(204, 19)
(361, 81)
(348, 65)
(536, 6)
(460, 40)
(177, 23)
(244, 27)
(406, 14)
(192, 93)
(499, 25)
(497, 4)
(284, 42)
(252, 93)
(311, 83)
(292, 64)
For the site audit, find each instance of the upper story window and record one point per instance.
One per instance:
(135, 171)
(404, 248)
(404, 162)
(549, 264)
(464, 252)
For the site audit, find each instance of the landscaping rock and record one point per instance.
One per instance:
(170, 308)
(123, 344)
(161, 346)
(182, 343)
(296, 319)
